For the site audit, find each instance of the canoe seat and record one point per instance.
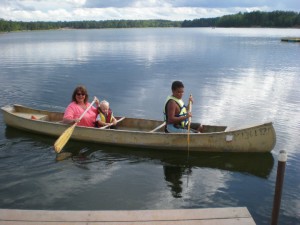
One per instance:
(158, 127)
(32, 116)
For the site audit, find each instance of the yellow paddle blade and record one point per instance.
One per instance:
(63, 155)
(63, 139)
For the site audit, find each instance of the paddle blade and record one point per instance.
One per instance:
(63, 139)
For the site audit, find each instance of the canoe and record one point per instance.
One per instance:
(145, 133)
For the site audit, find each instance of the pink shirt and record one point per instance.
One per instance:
(74, 111)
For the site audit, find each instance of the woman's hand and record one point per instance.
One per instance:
(97, 101)
(76, 121)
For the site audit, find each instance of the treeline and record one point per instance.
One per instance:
(20, 26)
(251, 19)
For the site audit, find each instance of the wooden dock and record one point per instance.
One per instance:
(207, 216)
(291, 39)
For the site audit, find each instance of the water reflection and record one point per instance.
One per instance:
(237, 162)
(183, 175)
(174, 175)
(104, 163)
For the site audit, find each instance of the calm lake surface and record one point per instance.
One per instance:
(238, 77)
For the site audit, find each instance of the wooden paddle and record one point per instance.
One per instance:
(65, 136)
(189, 125)
(119, 120)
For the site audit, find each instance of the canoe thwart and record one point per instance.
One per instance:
(158, 127)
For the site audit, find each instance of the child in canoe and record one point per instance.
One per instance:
(105, 116)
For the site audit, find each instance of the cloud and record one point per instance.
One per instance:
(68, 10)
(107, 4)
(221, 4)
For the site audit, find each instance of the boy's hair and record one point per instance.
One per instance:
(104, 102)
(177, 84)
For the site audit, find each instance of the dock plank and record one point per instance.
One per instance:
(208, 216)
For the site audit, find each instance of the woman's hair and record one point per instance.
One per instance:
(82, 90)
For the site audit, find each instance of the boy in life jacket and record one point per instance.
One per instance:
(176, 113)
(105, 116)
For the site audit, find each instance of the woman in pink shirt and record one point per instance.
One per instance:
(76, 108)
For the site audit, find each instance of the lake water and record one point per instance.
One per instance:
(238, 77)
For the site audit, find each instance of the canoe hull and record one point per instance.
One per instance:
(261, 138)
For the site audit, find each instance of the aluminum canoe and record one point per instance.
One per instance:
(146, 133)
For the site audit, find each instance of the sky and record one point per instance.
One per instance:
(176, 10)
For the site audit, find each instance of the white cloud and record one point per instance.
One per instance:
(57, 10)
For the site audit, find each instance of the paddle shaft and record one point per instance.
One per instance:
(189, 125)
(87, 109)
(119, 120)
(190, 118)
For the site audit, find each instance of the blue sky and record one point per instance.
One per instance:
(68, 10)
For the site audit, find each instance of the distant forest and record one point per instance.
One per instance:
(278, 19)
